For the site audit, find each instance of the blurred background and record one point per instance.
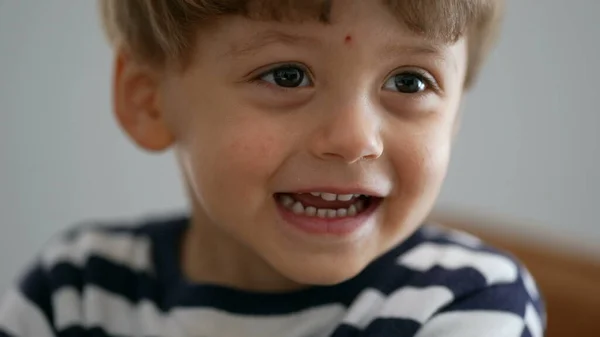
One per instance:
(527, 155)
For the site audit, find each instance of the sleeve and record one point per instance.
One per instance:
(26, 310)
(503, 310)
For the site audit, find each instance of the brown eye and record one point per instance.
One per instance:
(287, 76)
(407, 83)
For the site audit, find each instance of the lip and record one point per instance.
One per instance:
(340, 190)
(329, 227)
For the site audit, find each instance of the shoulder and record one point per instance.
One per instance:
(439, 251)
(105, 251)
(462, 279)
(108, 263)
(125, 245)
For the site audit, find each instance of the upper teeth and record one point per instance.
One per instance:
(332, 196)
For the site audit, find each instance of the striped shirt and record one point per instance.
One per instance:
(125, 281)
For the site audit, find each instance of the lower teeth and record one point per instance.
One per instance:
(297, 207)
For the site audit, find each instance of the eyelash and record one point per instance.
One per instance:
(257, 79)
(423, 75)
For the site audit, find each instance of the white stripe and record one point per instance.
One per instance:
(495, 268)
(20, 317)
(67, 308)
(317, 321)
(473, 324)
(120, 248)
(533, 321)
(364, 309)
(117, 316)
(530, 285)
(417, 304)
(99, 308)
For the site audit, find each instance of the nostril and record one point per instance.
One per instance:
(369, 157)
(349, 159)
(331, 155)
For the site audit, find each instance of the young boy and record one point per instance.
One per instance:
(313, 138)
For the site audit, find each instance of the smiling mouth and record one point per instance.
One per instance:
(326, 205)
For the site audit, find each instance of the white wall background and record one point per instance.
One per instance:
(528, 148)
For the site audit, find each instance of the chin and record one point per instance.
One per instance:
(322, 273)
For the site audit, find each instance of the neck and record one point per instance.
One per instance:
(211, 256)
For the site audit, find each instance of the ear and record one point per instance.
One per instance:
(136, 104)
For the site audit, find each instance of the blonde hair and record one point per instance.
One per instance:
(159, 31)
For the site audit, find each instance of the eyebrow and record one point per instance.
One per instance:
(262, 39)
(426, 50)
(421, 49)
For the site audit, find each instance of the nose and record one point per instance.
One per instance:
(349, 133)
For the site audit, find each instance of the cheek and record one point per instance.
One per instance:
(251, 149)
(235, 157)
(420, 163)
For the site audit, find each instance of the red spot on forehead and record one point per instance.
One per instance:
(348, 39)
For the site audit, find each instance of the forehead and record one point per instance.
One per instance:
(318, 22)
(441, 21)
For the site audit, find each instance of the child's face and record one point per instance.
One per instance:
(268, 110)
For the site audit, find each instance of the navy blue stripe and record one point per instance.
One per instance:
(35, 287)
(66, 275)
(526, 333)
(459, 281)
(392, 327)
(123, 281)
(345, 330)
(380, 327)
(508, 297)
(244, 303)
(116, 279)
(135, 286)
(81, 332)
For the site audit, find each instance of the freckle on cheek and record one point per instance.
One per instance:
(253, 150)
